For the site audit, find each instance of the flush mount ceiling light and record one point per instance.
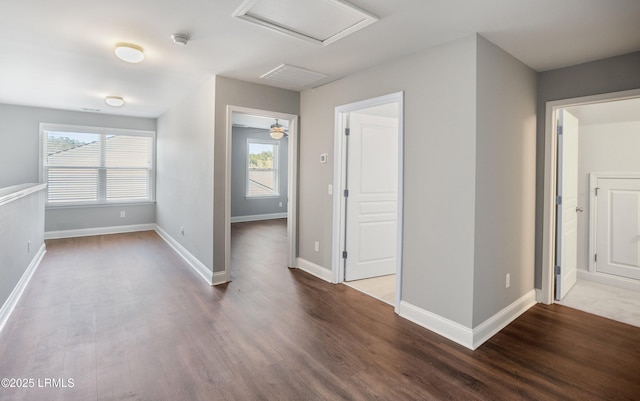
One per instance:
(129, 52)
(277, 131)
(115, 101)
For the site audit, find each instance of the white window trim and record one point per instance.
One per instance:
(44, 127)
(276, 168)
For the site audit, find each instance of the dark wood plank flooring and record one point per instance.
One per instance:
(125, 318)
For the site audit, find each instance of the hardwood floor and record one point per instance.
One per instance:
(125, 318)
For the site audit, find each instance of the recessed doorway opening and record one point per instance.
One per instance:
(261, 175)
(367, 214)
(591, 170)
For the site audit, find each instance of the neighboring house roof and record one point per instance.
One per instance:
(121, 151)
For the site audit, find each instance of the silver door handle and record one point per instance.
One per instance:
(579, 209)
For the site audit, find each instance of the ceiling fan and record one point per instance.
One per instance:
(277, 131)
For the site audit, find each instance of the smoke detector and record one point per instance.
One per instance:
(180, 39)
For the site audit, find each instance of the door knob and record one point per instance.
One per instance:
(579, 209)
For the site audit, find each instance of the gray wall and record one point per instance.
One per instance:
(184, 187)
(19, 162)
(505, 180)
(466, 165)
(231, 92)
(603, 76)
(22, 221)
(240, 204)
(439, 171)
(603, 148)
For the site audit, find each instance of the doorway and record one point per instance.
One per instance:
(264, 181)
(367, 227)
(566, 219)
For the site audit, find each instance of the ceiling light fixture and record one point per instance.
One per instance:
(129, 52)
(114, 101)
(277, 131)
(180, 39)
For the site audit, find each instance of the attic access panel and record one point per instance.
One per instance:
(317, 21)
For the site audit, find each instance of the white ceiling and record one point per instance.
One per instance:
(59, 53)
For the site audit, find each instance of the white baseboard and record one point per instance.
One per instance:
(258, 217)
(500, 320)
(315, 270)
(465, 336)
(219, 278)
(11, 302)
(86, 232)
(436, 323)
(540, 297)
(188, 257)
(609, 279)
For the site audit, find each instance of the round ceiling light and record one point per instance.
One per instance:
(115, 101)
(129, 52)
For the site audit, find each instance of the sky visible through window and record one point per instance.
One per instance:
(261, 147)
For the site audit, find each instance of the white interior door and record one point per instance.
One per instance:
(567, 208)
(618, 227)
(372, 202)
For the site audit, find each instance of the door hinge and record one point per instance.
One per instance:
(597, 189)
(595, 257)
(559, 129)
(557, 270)
(347, 131)
(344, 254)
(558, 200)
(346, 193)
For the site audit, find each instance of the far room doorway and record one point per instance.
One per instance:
(367, 240)
(592, 205)
(261, 175)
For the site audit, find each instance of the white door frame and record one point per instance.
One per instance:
(338, 179)
(550, 180)
(292, 183)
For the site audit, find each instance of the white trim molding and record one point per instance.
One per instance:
(610, 280)
(193, 262)
(219, 278)
(87, 232)
(436, 323)
(315, 270)
(258, 217)
(11, 302)
(465, 336)
(10, 194)
(500, 320)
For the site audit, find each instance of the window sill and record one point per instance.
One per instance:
(96, 205)
(263, 197)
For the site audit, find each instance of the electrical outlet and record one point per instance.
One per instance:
(122, 213)
(330, 189)
(280, 204)
(317, 246)
(28, 246)
(507, 281)
(182, 230)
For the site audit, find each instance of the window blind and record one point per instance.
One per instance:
(98, 167)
